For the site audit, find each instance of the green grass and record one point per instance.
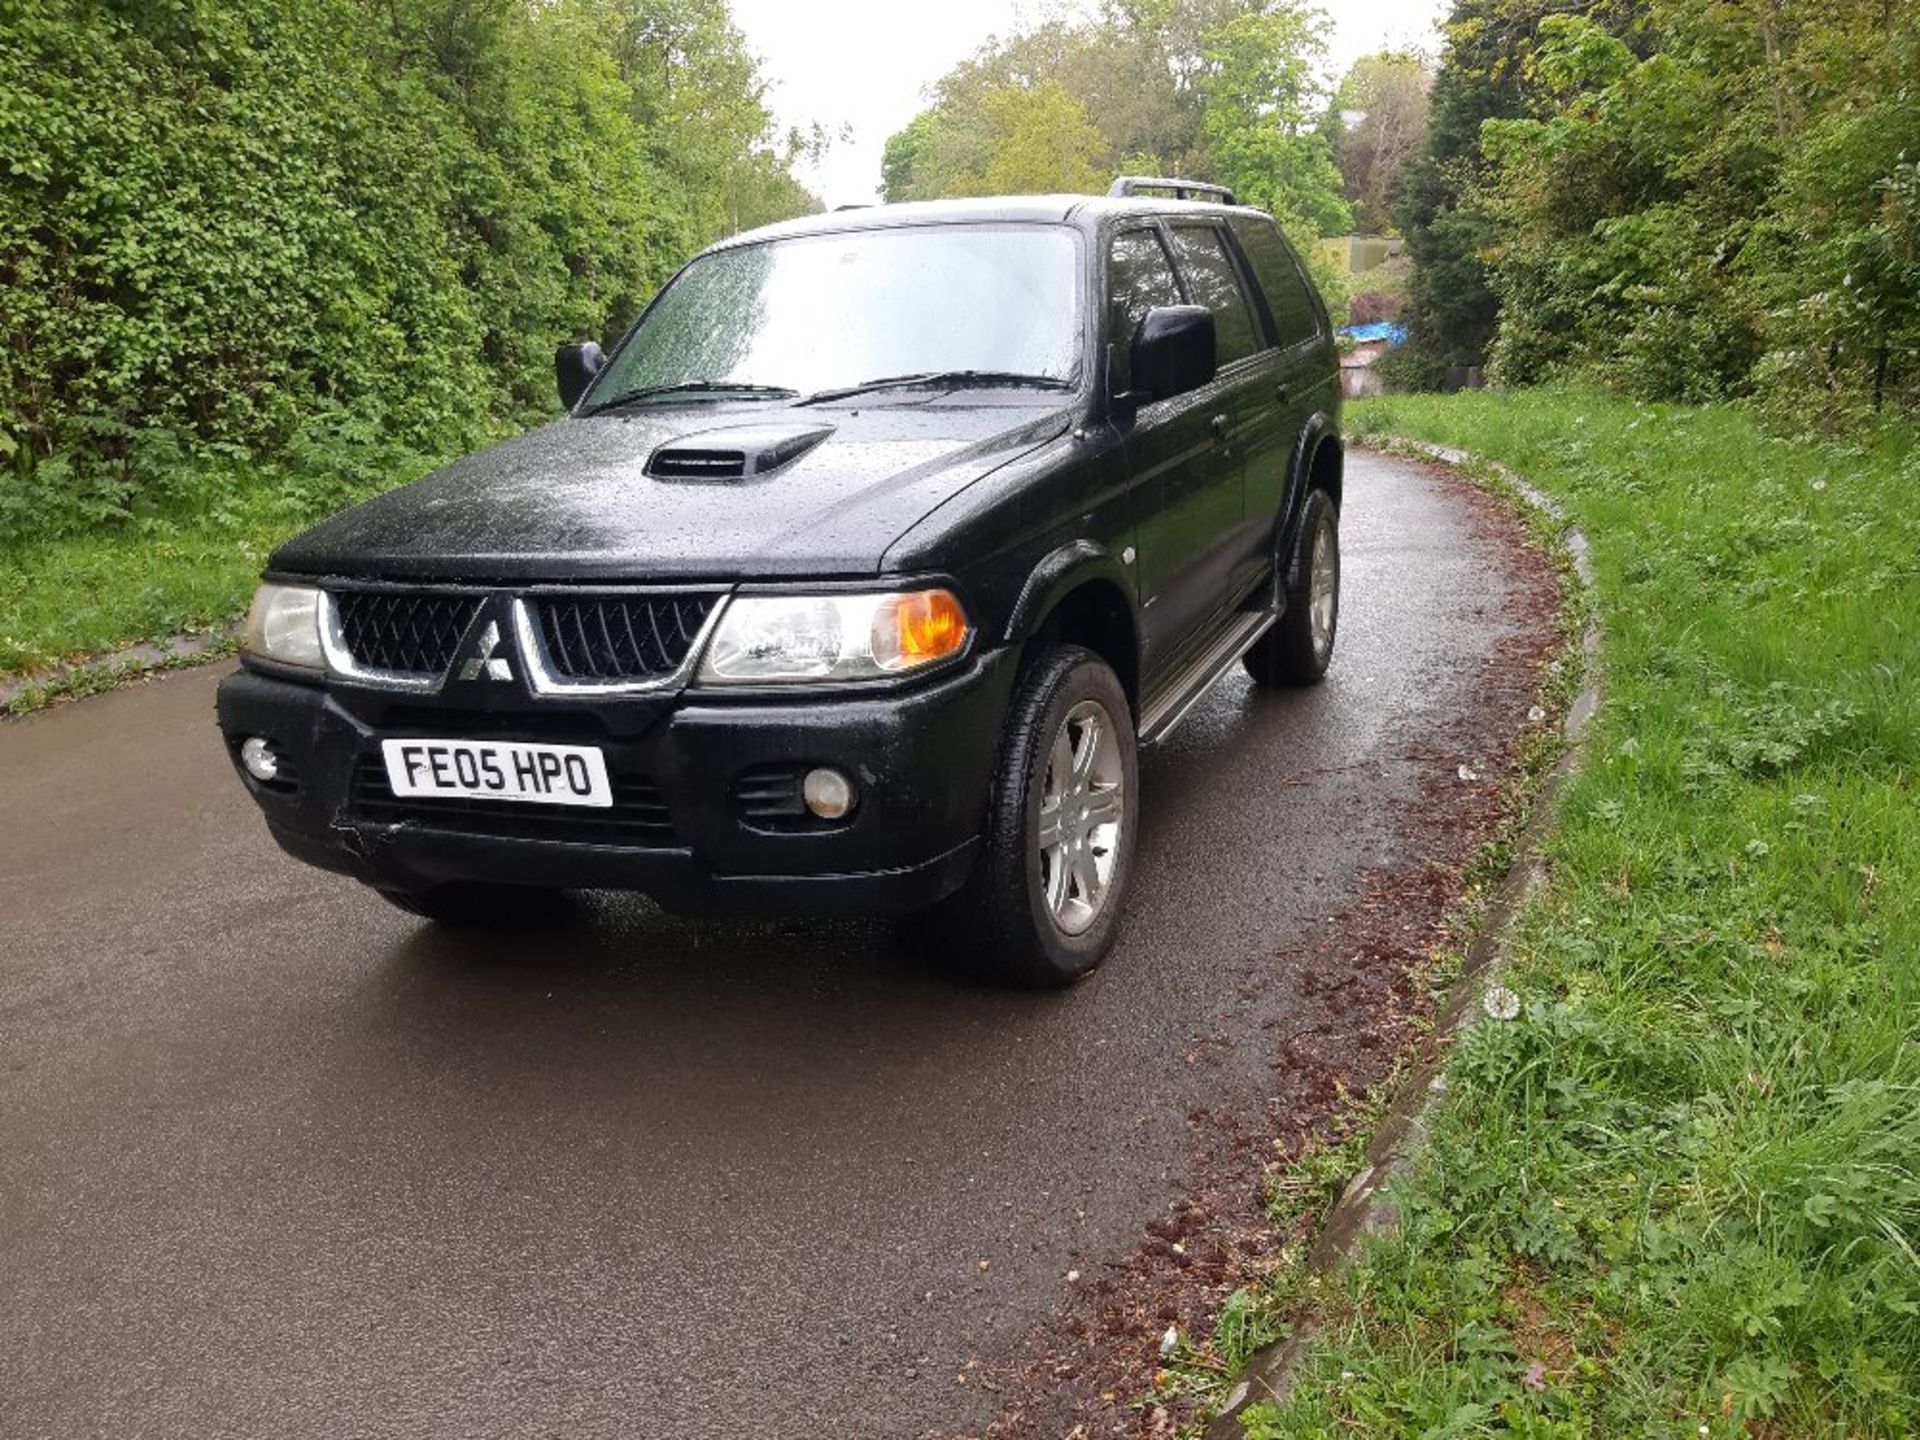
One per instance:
(86, 594)
(188, 566)
(1685, 1182)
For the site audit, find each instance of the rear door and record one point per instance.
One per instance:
(1259, 425)
(1186, 495)
(1304, 375)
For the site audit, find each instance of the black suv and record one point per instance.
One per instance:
(849, 583)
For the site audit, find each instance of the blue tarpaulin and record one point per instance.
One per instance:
(1386, 330)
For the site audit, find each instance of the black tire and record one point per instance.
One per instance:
(1011, 934)
(469, 905)
(1295, 652)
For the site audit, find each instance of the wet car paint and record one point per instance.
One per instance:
(572, 499)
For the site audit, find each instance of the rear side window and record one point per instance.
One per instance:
(1215, 282)
(1295, 317)
(1139, 277)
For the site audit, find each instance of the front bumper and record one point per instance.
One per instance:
(685, 830)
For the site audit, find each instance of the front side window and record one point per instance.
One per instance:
(1215, 282)
(1139, 278)
(824, 311)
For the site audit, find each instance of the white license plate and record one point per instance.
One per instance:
(498, 770)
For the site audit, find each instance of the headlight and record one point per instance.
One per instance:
(774, 639)
(284, 625)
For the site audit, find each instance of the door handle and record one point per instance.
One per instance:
(1280, 393)
(1219, 427)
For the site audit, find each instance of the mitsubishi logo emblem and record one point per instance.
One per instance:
(483, 664)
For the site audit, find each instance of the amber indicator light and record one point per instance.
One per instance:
(928, 625)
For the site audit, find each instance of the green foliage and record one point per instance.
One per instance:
(1378, 123)
(230, 226)
(1262, 96)
(987, 131)
(1017, 139)
(186, 558)
(1041, 140)
(1226, 90)
(1685, 1181)
(1712, 200)
(1452, 309)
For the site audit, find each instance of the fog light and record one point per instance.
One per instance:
(828, 793)
(257, 755)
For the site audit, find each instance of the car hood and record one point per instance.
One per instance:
(828, 490)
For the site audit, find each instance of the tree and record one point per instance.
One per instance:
(1719, 203)
(1262, 102)
(903, 162)
(1042, 141)
(1452, 311)
(1212, 89)
(1379, 122)
(237, 231)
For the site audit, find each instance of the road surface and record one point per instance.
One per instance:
(280, 1161)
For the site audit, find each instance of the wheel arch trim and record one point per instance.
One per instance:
(1058, 574)
(1321, 429)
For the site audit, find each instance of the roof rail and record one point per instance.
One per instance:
(1182, 189)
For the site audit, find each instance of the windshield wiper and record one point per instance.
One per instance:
(696, 387)
(939, 377)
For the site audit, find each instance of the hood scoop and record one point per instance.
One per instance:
(734, 452)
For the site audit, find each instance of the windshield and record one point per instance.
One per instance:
(829, 311)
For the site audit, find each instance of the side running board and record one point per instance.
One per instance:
(1167, 709)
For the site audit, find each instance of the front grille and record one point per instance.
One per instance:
(619, 638)
(637, 818)
(412, 632)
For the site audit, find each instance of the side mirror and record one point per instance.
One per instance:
(574, 366)
(1173, 351)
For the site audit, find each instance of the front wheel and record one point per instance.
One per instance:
(1046, 897)
(1297, 650)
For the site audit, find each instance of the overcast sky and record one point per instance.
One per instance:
(866, 63)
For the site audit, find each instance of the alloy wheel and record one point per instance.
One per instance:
(1082, 810)
(1323, 589)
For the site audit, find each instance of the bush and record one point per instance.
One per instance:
(1709, 202)
(1371, 307)
(229, 228)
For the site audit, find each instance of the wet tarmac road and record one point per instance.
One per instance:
(279, 1161)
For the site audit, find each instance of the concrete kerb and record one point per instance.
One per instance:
(1365, 1207)
(120, 666)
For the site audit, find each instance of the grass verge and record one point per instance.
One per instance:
(1677, 1194)
(1299, 1188)
(186, 566)
(85, 595)
(99, 676)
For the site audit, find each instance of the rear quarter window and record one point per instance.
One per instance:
(1296, 316)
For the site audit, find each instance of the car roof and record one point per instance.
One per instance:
(1084, 211)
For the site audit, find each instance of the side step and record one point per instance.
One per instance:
(1167, 709)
